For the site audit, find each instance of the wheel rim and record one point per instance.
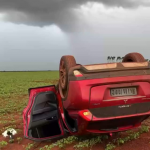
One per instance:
(62, 74)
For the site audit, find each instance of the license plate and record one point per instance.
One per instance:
(123, 91)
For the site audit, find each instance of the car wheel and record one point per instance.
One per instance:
(133, 57)
(66, 63)
(57, 86)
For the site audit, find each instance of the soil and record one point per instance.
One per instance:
(143, 143)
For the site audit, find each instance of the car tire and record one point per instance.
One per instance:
(133, 57)
(66, 63)
(57, 86)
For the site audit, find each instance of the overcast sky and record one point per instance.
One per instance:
(35, 34)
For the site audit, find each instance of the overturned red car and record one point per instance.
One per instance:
(99, 98)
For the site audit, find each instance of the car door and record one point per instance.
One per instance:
(42, 117)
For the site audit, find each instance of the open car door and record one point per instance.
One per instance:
(42, 118)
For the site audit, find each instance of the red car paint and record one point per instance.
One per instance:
(27, 110)
(97, 89)
(86, 96)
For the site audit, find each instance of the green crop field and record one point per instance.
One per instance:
(17, 83)
(14, 98)
(14, 88)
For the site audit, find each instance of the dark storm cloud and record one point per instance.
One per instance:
(47, 12)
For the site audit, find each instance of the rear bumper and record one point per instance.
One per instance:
(91, 124)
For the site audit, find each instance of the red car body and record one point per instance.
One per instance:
(94, 102)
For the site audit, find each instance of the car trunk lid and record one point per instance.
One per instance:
(120, 99)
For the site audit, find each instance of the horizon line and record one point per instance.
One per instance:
(27, 70)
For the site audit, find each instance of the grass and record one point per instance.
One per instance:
(14, 88)
(14, 98)
(90, 141)
(17, 83)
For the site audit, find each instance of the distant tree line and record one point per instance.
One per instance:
(111, 59)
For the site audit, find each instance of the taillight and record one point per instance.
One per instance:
(77, 73)
(86, 114)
